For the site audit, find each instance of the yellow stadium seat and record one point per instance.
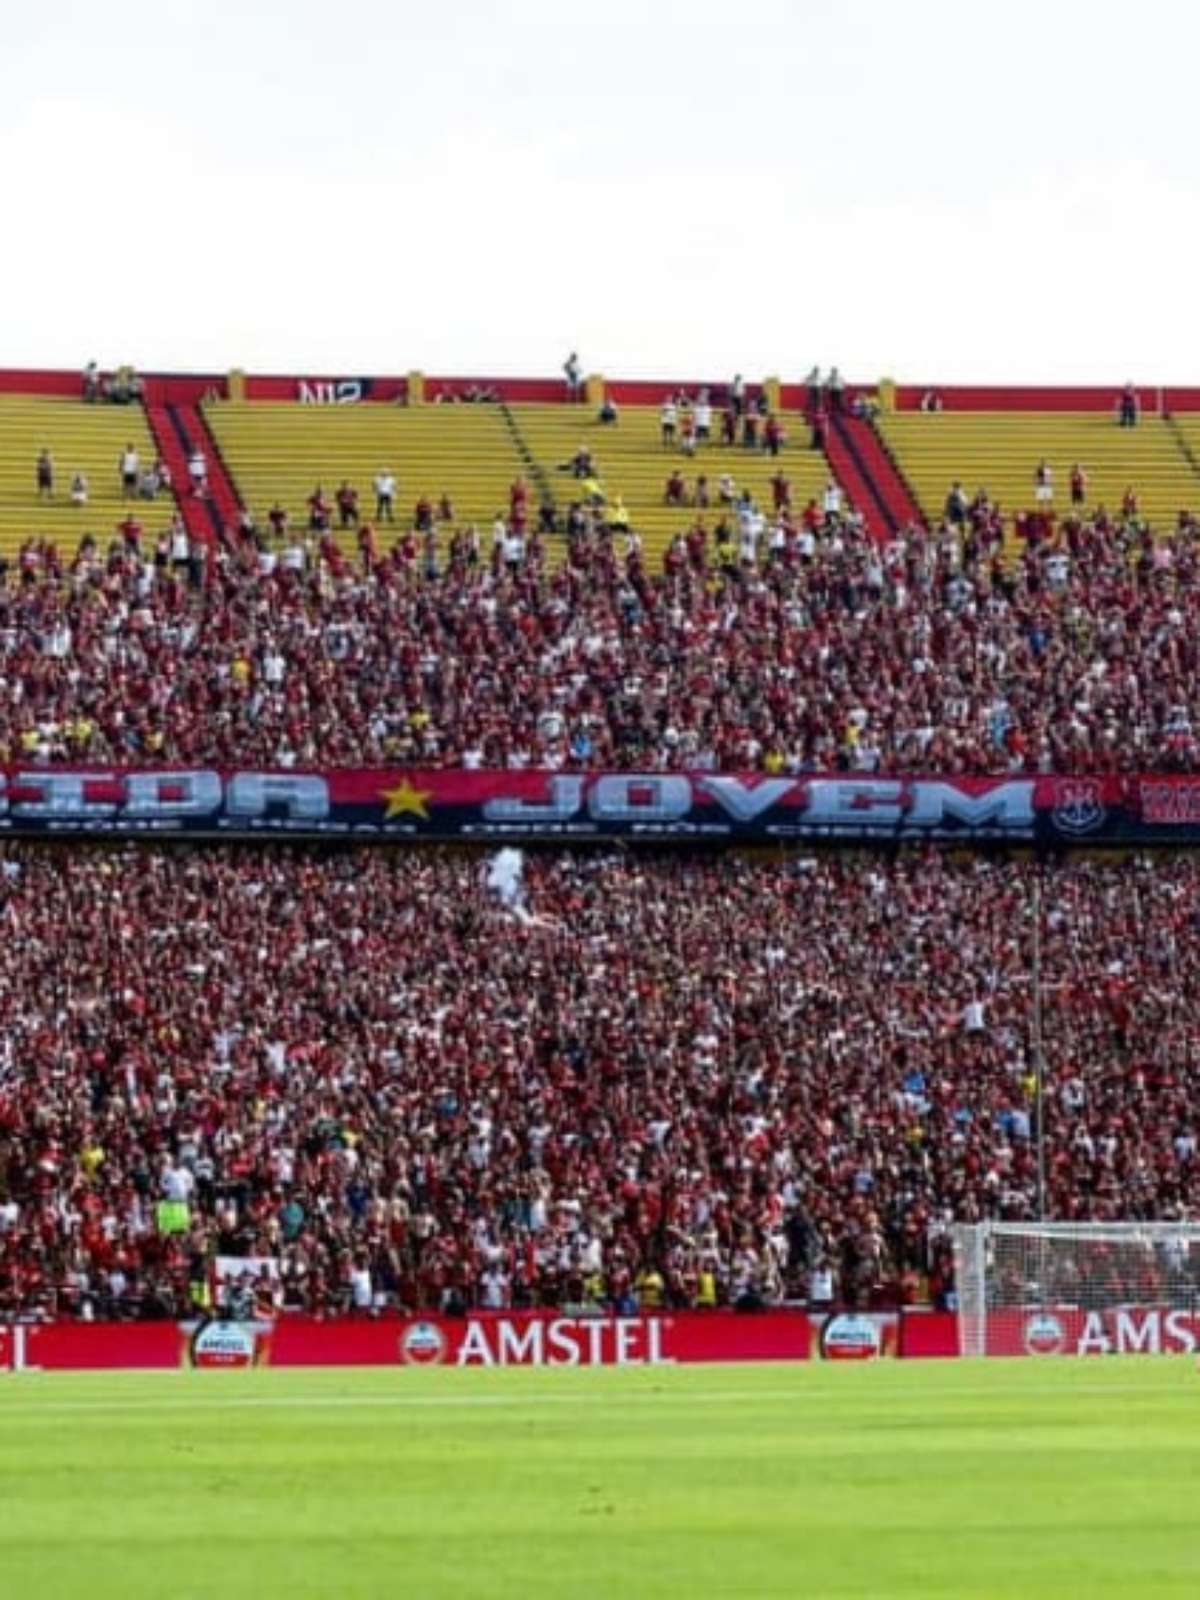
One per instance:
(1000, 451)
(80, 438)
(280, 451)
(631, 461)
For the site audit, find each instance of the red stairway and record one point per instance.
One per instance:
(854, 483)
(890, 494)
(178, 429)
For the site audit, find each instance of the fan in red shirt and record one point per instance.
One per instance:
(675, 492)
(131, 532)
(319, 510)
(347, 505)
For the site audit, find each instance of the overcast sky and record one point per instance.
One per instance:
(935, 189)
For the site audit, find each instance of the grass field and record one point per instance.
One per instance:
(1006, 1479)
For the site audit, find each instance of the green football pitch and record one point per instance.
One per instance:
(1018, 1478)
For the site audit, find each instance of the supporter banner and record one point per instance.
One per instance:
(407, 803)
(1071, 1331)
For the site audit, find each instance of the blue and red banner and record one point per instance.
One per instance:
(525, 806)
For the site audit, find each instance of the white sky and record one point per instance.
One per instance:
(933, 189)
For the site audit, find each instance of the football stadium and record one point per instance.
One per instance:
(600, 986)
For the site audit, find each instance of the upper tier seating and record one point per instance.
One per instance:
(1000, 451)
(632, 461)
(1186, 426)
(80, 438)
(280, 451)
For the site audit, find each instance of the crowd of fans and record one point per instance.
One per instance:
(773, 640)
(626, 1081)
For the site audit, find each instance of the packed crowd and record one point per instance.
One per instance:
(771, 639)
(608, 1080)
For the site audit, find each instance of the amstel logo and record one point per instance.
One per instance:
(422, 1345)
(225, 1344)
(1044, 1334)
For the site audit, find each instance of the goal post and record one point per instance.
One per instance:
(1042, 1288)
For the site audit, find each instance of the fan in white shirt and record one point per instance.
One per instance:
(385, 495)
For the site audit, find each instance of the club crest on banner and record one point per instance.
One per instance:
(1078, 806)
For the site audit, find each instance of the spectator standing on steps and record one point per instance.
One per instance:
(1127, 410)
(668, 416)
(573, 373)
(956, 505)
(129, 473)
(198, 471)
(385, 495)
(347, 504)
(45, 476)
(703, 417)
(813, 385)
(837, 390)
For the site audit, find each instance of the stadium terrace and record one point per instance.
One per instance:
(593, 1079)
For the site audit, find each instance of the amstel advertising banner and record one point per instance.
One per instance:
(552, 1339)
(484, 1339)
(1073, 1331)
(524, 806)
(545, 1339)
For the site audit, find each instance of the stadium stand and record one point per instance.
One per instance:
(280, 451)
(81, 439)
(686, 1079)
(1001, 451)
(683, 1081)
(633, 462)
(823, 651)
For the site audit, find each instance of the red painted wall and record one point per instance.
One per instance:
(162, 388)
(928, 1333)
(957, 397)
(180, 388)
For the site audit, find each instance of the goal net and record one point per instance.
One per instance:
(1042, 1288)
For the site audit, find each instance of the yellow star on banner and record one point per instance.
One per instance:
(404, 800)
